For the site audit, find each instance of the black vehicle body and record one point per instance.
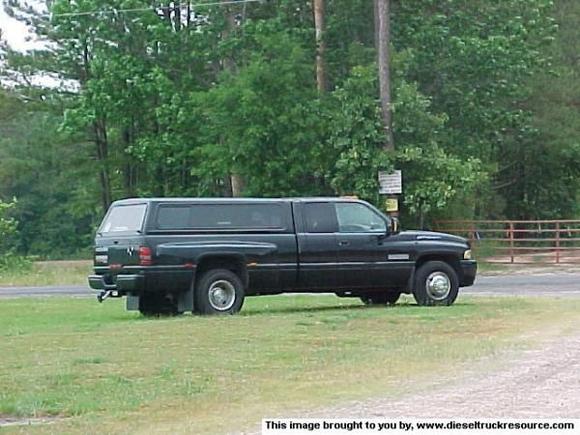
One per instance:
(272, 245)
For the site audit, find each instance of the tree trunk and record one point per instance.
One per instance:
(319, 19)
(128, 167)
(383, 36)
(376, 22)
(99, 130)
(237, 183)
(102, 146)
(177, 15)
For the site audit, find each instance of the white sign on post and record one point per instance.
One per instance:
(390, 183)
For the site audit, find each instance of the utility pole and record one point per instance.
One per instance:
(383, 39)
(393, 181)
(319, 25)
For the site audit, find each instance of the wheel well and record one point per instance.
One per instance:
(450, 259)
(234, 264)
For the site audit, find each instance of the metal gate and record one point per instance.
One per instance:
(541, 242)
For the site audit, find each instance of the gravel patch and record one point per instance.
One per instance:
(540, 382)
(537, 383)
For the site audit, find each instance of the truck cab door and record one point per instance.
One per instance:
(364, 248)
(317, 246)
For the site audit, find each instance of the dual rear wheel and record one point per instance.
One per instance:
(217, 291)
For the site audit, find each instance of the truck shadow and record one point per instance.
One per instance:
(288, 310)
(342, 308)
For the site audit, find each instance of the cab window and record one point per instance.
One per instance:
(357, 218)
(320, 217)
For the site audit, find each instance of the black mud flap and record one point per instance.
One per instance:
(185, 301)
(411, 282)
(132, 303)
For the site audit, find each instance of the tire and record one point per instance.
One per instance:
(155, 304)
(389, 298)
(436, 283)
(219, 291)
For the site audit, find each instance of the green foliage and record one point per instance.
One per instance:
(356, 136)
(47, 171)
(263, 122)
(435, 178)
(9, 240)
(484, 96)
(7, 228)
(548, 164)
(432, 176)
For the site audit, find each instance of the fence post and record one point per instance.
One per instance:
(557, 242)
(511, 234)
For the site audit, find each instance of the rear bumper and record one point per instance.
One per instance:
(468, 272)
(138, 280)
(123, 283)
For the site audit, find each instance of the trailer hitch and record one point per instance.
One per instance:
(104, 295)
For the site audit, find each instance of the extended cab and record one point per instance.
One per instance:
(171, 255)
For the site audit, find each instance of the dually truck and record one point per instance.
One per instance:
(172, 255)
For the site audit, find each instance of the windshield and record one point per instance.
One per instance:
(124, 218)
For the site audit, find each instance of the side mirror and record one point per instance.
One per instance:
(394, 227)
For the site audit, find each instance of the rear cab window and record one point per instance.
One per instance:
(124, 219)
(215, 217)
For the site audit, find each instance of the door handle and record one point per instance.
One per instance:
(343, 243)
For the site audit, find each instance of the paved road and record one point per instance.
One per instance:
(546, 284)
(63, 290)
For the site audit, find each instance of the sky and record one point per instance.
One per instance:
(19, 37)
(16, 32)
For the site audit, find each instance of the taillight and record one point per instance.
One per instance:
(145, 256)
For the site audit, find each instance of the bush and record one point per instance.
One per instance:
(8, 240)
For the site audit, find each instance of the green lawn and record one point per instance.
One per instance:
(100, 365)
(45, 273)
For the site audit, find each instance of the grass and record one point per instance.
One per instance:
(99, 365)
(47, 273)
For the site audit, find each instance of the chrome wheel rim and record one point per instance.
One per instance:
(438, 286)
(222, 295)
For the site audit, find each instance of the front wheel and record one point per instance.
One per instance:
(436, 283)
(219, 291)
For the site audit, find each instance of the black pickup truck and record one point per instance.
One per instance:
(171, 255)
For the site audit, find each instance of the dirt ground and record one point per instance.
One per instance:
(542, 382)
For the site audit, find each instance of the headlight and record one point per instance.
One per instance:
(467, 255)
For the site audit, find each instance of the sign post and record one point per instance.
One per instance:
(391, 185)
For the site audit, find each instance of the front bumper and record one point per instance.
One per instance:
(468, 272)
